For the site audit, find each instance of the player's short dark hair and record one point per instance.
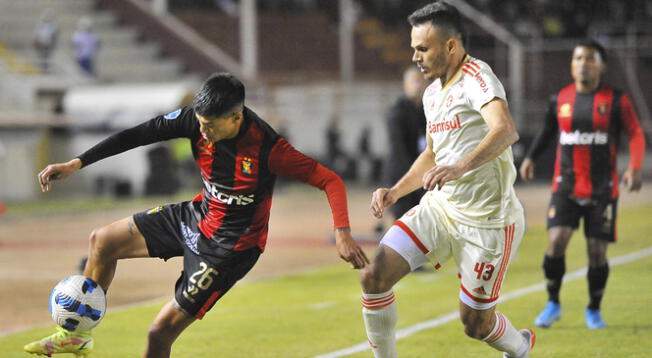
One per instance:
(595, 46)
(220, 93)
(441, 14)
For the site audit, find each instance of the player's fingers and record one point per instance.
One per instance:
(363, 256)
(43, 179)
(428, 181)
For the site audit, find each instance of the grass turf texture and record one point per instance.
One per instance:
(312, 313)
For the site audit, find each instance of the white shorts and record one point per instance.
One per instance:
(425, 233)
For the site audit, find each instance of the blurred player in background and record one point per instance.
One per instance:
(470, 211)
(589, 117)
(406, 125)
(222, 231)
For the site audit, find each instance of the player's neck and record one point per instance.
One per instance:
(456, 63)
(586, 86)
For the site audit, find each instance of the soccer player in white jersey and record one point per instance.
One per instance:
(470, 211)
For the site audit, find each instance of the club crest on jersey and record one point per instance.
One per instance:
(552, 212)
(247, 165)
(602, 107)
(449, 100)
(565, 110)
(173, 114)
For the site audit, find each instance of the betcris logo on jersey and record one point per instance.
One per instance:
(229, 199)
(582, 138)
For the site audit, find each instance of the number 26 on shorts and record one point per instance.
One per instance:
(202, 279)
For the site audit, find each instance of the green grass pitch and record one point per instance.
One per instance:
(317, 312)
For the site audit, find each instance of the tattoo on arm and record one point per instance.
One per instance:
(131, 228)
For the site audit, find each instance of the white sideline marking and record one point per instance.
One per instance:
(451, 316)
(321, 305)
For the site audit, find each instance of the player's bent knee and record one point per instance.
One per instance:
(100, 244)
(160, 335)
(372, 280)
(476, 325)
(476, 329)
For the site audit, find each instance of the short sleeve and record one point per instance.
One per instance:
(481, 84)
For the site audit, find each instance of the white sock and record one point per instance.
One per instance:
(505, 338)
(379, 313)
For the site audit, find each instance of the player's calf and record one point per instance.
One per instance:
(505, 338)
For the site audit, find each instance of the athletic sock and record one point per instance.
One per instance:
(379, 312)
(554, 269)
(597, 277)
(505, 338)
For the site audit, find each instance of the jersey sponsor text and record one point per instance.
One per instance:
(445, 126)
(582, 138)
(228, 199)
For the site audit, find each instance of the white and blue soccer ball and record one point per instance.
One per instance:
(77, 303)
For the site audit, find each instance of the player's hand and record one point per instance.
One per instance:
(439, 175)
(57, 171)
(527, 169)
(633, 179)
(349, 250)
(380, 199)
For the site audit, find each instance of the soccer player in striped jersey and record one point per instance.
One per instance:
(589, 117)
(470, 211)
(220, 233)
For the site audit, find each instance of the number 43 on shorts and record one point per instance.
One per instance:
(484, 271)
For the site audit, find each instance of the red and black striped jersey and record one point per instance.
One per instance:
(238, 174)
(589, 126)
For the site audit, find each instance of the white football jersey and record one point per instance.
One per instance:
(482, 197)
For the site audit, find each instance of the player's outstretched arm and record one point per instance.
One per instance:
(286, 161)
(57, 171)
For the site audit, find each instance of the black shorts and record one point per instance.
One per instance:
(172, 231)
(599, 216)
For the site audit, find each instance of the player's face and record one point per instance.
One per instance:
(430, 55)
(217, 128)
(586, 65)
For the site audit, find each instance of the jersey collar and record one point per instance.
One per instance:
(465, 59)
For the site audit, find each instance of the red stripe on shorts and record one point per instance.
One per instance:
(412, 236)
(208, 304)
(509, 239)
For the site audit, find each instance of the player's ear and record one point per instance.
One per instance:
(450, 45)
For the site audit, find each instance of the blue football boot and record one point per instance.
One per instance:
(594, 320)
(549, 315)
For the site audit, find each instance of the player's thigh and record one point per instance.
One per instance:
(483, 257)
(600, 220)
(563, 212)
(120, 240)
(385, 270)
(397, 241)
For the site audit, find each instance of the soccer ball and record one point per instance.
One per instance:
(77, 303)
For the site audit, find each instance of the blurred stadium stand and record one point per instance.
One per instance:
(300, 81)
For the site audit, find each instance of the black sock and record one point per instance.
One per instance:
(554, 269)
(597, 277)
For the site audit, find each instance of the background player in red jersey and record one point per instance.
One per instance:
(222, 232)
(589, 117)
